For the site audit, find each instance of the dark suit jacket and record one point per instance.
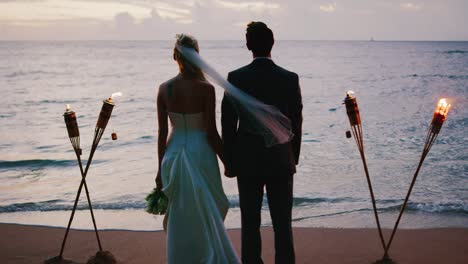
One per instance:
(245, 152)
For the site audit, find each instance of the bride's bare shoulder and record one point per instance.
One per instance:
(169, 83)
(205, 84)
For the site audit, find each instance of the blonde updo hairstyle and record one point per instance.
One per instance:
(185, 66)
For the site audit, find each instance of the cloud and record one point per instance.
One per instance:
(123, 20)
(252, 6)
(328, 8)
(175, 14)
(56, 10)
(167, 10)
(411, 7)
(226, 19)
(25, 1)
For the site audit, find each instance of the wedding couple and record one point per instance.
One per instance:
(189, 173)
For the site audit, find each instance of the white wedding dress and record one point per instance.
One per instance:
(197, 203)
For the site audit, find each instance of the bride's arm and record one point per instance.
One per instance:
(210, 123)
(162, 129)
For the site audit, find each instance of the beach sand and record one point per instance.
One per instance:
(34, 244)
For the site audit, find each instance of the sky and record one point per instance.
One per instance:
(226, 19)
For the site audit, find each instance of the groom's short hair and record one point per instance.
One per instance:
(260, 39)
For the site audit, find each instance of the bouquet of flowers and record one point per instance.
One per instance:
(156, 202)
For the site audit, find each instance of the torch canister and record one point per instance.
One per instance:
(440, 114)
(72, 125)
(105, 114)
(72, 128)
(352, 110)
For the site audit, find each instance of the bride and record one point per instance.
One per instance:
(188, 168)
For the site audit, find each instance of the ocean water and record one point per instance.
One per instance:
(397, 85)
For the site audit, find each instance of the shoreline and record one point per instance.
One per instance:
(35, 244)
(139, 220)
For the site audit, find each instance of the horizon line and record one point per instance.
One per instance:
(337, 40)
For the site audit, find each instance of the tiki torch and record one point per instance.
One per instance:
(440, 114)
(101, 124)
(352, 110)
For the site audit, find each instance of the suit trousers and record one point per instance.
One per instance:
(279, 189)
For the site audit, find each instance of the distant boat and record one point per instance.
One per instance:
(371, 39)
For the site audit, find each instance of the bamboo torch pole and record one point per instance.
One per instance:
(440, 114)
(73, 131)
(352, 110)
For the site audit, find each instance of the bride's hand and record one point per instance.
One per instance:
(159, 184)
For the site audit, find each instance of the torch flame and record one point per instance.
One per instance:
(116, 94)
(443, 107)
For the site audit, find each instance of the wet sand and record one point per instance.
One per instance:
(35, 244)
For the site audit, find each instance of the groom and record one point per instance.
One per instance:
(246, 156)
